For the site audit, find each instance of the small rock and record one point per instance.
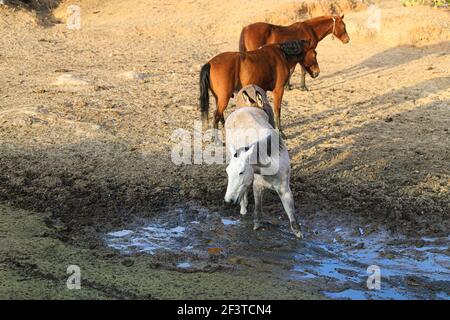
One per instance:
(68, 79)
(360, 246)
(128, 262)
(133, 75)
(214, 251)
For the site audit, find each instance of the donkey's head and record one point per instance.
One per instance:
(339, 30)
(240, 173)
(252, 96)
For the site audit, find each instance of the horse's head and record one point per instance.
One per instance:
(303, 52)
(309, 63)
(339, 30)
(240, 173)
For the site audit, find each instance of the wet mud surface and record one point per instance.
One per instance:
(334, 257)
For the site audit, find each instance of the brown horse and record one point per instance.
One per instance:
(313, 30)
(268, 67)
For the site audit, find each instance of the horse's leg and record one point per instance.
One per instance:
(302, 83)
(222, 102)
(288, 85)
(285, 194)
(258, 195)
(244, 203)
(277, 97)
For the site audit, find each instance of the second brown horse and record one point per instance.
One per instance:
(268, 67)
(313, 30)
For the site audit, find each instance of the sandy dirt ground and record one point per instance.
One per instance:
(86, 119)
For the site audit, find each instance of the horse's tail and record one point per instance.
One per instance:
(242, 41)
(204, 91)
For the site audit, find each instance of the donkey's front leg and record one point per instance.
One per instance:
(287, 199)
(257, 194)
(244, 203)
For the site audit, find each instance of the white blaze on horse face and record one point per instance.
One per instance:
(240, 174)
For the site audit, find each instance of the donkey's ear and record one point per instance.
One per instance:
(249, 151)
(232, 150)
(259, 100)
(247, 98)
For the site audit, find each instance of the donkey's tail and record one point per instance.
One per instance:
(242, 41)
(204, 91)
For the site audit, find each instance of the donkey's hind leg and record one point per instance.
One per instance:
(287, 199)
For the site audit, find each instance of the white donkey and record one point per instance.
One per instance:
(258, 156)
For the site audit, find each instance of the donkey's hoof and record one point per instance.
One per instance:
(299, 234)
(283, 136)
(243, 211)
(258, 225)
(296, 230)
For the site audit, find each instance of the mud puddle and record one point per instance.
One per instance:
(334, 257)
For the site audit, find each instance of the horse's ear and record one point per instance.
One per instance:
(342, 16)
(305, 43)
(259, 100)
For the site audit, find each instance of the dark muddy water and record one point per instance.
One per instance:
(334, 257)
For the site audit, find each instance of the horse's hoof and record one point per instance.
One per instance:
(296, 230)
(304, 88)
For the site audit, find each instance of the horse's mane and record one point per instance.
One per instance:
(319, 19)
(293, 48)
